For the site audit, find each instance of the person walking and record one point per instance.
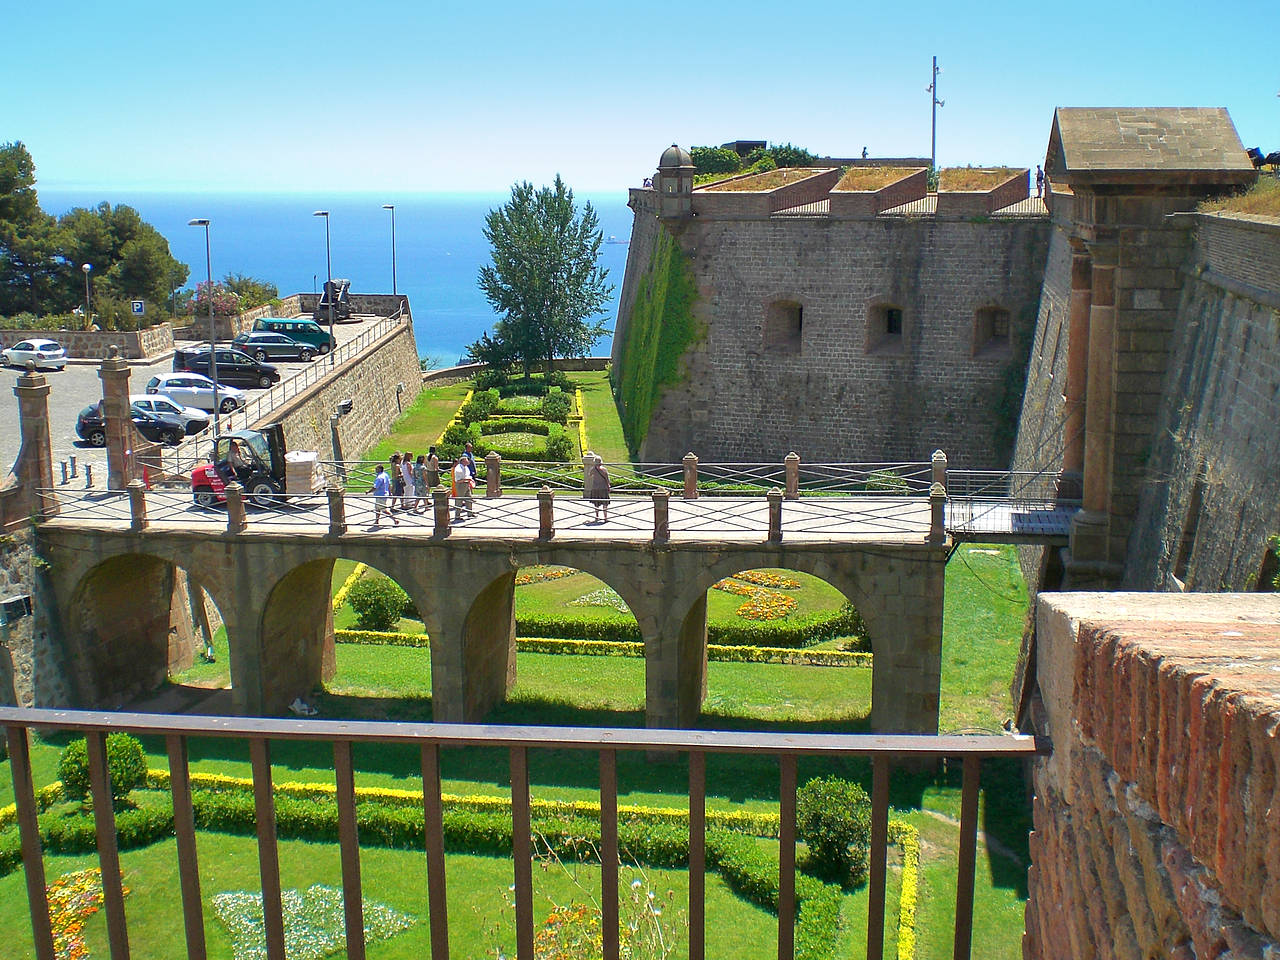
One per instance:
(1039, 183)
(420, 489)
(469, 455)
(397, 481)
(462, 487)
(433, 468)
(406, 474)
(382, 497)
(596, 487)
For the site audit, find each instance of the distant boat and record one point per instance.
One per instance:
(613, 239)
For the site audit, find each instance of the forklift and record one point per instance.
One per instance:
(257, 463)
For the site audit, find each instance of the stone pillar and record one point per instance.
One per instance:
(114, 373)
(493, 475)
(1071, 484)
(236, 519)
(440, 503)
(489, 649)
(775, 514)
(34, 467)
(938, 471)
(937, 513)
(791, 468)
(137, 505)
(546, 514)
(676, 672)
(337, 512)
(661, 515)
(690, 477)
(903, 612)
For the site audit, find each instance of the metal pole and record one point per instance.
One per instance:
(392, 208)
(88, 315)
(933, 96)
(328, 261)
(213, 353)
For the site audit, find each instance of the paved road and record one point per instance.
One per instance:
(77, 386)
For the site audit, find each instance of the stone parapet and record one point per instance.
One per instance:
(1155, 826)
(94, 344)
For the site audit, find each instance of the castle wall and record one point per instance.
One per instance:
(1155, 831)
(844, 395)
(1211, 495)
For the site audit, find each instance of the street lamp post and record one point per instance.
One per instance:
(328, 286)
(213, 353)
(88, 316)
(392, 208)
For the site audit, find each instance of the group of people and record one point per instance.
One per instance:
(405, 483)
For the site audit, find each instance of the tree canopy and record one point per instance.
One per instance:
(40, 256)
(544, 280)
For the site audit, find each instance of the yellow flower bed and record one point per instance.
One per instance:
(340, 597)
(440, 439)
(542, 576)
(761, 604)
(908, 838)
(762, 578)
(73, 899)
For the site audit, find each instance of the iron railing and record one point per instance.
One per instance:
(431, 739)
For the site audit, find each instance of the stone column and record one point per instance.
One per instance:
(489, 649)
(1071, 483)
(690, 476)
(676, 672)
(791, 468)
(337, 512)
(34, 467)
(114, 373)
(493, 475)
(661, 515)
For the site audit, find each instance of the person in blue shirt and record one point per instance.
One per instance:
(382, 497)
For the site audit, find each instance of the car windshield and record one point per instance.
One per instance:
(153, 383)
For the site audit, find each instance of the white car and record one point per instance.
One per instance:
(44, 353)
(196, 390)
(160, 403)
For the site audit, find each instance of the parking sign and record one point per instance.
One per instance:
(136, 306)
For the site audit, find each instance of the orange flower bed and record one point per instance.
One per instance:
(73, 899)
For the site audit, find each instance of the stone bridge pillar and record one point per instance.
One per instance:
(473, 648)
(114, 372)
(34, 467)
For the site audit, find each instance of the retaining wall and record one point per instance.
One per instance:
(94, 344)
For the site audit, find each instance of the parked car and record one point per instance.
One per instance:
(302, 329)
(234, 367)
(193, 418)
(195, 390)
(47, 354)
(262, 345)
(91, 427)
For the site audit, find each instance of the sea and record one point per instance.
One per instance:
(440, 247)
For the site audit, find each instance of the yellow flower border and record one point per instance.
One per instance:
(340, 597)
(454, 419)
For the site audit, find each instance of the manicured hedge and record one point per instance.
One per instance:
(499, 425)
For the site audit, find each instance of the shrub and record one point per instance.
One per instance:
(556, 406)
(715, 159)
(491, 377)
(788, 155)
(482, 405)
(125, 762)
(560, 448)
(557, 378)
(378, 602)
(833, 817)
(492, 428)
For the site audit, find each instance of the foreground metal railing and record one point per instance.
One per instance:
(431, 739)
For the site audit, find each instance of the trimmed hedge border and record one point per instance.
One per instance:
(908, 838)
(340, 597)
(612, 648)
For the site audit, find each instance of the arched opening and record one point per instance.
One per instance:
(783, 327)
(565, 649)
(785, 649)
(144, 633)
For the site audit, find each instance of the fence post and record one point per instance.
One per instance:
(493, 475)
(137, 505)
(792, 464)
(937, 513)
(337, 512)
(775, 514)
(440, 501)
(661, 516)
(236, 520)
(546, 514)
(690, 476)
(939, 469)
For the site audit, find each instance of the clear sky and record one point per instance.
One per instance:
(284, 95)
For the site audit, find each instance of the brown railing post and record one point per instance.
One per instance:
(337, 512)
(968, 856)
(775, 514)
(521, 852)
(104, 819)
(939, 463)
(264, 806)
(937, 513)
(493, 475)
(440, 501)
(690, 476)
(697, 855)
(661, 515)
(137, 505)
(349, 848)
(546, 513)
(184, 828)
(609, 853)
(236, 520)
(879, 850)
(787, 858)
(791, 463)
(29, 831)
(433, 819)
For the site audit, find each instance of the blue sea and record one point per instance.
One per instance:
(439, 247)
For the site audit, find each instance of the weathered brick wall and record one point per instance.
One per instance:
(836, 399)
(16, 665)
(94, 344)
(1217, 428)
(1155, 828)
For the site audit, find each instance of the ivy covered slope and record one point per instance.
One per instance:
(659, 331)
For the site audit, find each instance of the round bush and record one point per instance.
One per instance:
(833, 817)
(556, 406)
(378, 602)
(126, 763)
(560, 448)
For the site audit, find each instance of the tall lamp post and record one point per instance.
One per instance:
(932, 88)
(328, 284)
(88, 316)
(213, 353)
(392, 208)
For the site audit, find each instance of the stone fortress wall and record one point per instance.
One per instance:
(840, 390)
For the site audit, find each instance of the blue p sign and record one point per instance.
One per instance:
(136, 306)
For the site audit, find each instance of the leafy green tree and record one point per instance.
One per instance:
(18, 201)
(715, 159)
(251, 291)
(545, 280)
(788, 155)
(130, 257)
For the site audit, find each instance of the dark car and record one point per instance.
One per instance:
(156, 427)
(234, 367)
(276, 346)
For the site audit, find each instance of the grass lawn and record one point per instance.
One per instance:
(600, 414)
(421, 423)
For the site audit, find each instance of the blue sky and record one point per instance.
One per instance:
(282, 95)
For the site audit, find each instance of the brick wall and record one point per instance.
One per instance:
(1217, 420)
(1155, 829)
(94, 344)
(835, 399)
